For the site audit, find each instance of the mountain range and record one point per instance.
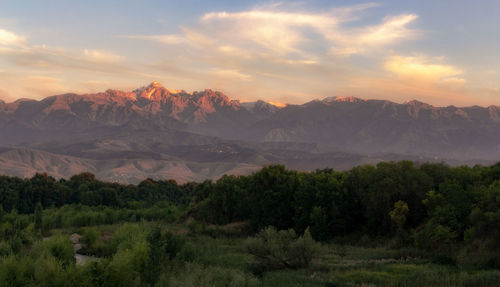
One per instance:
(161, 133)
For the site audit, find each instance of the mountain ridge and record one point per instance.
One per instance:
(159, 86)
(154, 123)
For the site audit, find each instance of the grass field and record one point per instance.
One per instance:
(224, 261)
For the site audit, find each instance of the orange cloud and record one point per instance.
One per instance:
(42, 85)
(424, 69)
(285, 55)
(4, 96)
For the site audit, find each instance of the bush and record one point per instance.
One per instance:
(92, 243)
(90, 237)
(5, 249)
(59, 246)
(126, 237)
(162, 247)
(15, 272)
(282, 249)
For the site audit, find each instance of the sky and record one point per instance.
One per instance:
(443, 52)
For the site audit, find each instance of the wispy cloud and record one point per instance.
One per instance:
(424, 68)
(232, 74)
(276, 52)
(287, 33)
(363, 40)
(102, 56)
(39, 70)
(42, 85)
(8, 38)
(279, 32)
(279, 51)
(18, 50)
(165, 39)
(32, 86)
(57, 59)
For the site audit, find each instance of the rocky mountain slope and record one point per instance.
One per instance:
(381, 126)
(157, 132)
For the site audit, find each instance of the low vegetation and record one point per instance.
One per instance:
(394, 224)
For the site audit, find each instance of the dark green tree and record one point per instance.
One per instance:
(38, 217)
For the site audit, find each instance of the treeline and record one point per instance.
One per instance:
(449, 211)
(22, 195)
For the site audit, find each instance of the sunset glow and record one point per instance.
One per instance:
(281, 105)
(280, 52)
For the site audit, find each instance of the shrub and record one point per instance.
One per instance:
(5, 249)
(48, 271)
(15, 272)
(162, 246)
(282, 249)
(90, 237)
(58, 246)
(126, 237)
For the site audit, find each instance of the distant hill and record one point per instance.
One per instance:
(157, 132)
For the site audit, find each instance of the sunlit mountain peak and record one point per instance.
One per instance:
(155, 84)
(278, 104)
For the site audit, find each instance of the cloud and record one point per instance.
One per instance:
(32, 86)
(4, 96)
(285, 31)
(265, 29)
(267, 16)
(232, 74)
(169, 39)
(270, 31)
(102, 56)
(8, 38)
(391, 29)
(401, 78)
(42, 85)
(362, 40)
(53, 70)
(424, 68)
(495, 92)
(287, 51)
(56, 59)
(17, 50)
(279, 32)
(279, 51)
(454, 81)
(491, 72)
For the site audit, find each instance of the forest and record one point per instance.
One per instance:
(393, 224)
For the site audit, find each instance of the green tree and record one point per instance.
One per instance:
(398, 214)
(38, 217)
(162, 247)
(319, 223)
(2, 212)
(398, 218)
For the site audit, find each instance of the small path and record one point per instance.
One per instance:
(79, 258)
